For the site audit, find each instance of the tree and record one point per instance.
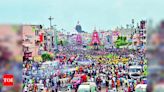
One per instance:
(46, 57)
(123, 38)
(121, 41)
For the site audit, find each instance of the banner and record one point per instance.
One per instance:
(41, 37)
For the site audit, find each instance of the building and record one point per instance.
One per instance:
(142, 32)
(140, 35)
(32, 39)
(115, 35)
(86, 38)
(61, 36)
(126, 32)
(49, 40)
(104, 36)
(53, 38)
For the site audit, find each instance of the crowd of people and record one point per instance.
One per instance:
(108, 77)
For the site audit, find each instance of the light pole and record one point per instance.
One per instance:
(55, 37)
(50, 19)
(54, 32)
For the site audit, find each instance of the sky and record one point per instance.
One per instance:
(102, 14)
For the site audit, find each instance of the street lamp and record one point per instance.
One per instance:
(54, 32)
(55, 37)
(50, 19)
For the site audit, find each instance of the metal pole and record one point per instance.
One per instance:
(50, 18)
(55, 38)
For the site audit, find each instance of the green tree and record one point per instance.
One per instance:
(46, 57)
(121, 41)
